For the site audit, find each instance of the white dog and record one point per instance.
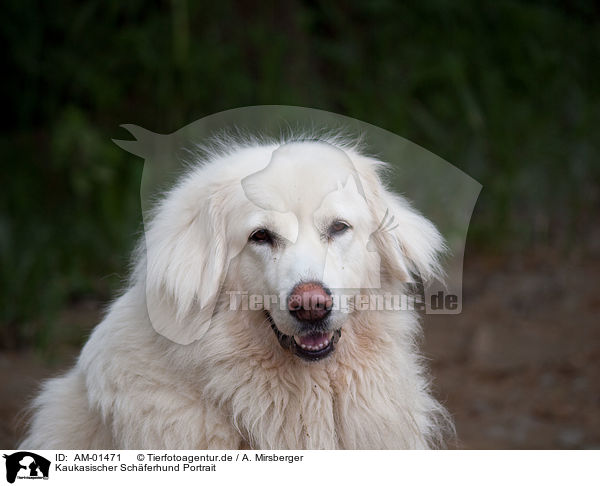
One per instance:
(180, 362)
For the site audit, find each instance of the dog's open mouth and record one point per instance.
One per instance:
(312, 346)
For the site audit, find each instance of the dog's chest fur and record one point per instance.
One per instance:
(365, 396)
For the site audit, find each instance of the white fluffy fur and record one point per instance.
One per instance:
(229, 384)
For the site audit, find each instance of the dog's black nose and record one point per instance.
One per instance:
(310, 302)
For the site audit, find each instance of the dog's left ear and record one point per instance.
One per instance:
(409, 244)
(187, 257)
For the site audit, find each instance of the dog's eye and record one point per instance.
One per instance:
(261, 236)
(338, 227)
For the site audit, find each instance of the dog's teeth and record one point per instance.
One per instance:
(315, 347)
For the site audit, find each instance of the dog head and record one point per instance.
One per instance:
(300, 228)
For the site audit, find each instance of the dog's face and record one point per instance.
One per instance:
(297, 229)
(307, 227)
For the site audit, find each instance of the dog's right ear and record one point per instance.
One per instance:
(409, 243)
(186, 262)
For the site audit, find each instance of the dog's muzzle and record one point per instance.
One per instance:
(310, 347)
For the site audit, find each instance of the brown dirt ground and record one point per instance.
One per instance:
(517, 369)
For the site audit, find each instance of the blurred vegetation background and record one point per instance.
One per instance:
(507, 91)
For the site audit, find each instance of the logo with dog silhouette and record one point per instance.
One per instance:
(26, 465)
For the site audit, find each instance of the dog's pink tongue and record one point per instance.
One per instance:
(313, 340)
